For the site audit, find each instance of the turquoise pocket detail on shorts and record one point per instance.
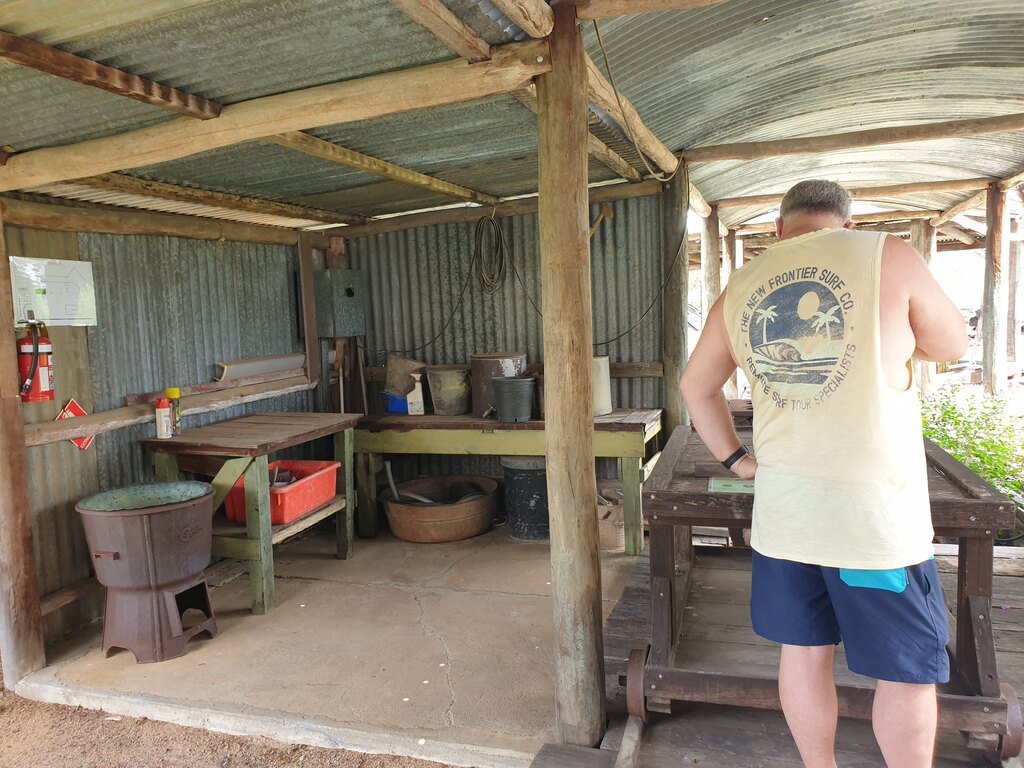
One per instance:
(891, 580)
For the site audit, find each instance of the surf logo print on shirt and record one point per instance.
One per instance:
(795, 336)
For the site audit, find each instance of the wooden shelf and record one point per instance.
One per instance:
(227, 536)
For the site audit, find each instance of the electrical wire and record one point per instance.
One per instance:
(491, 270)
(625, 120)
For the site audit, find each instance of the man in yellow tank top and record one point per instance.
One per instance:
(824, 324)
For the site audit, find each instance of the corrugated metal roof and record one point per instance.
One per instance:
(739, 71)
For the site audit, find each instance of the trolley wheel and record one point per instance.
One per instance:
(1010, 743)
(635, 700)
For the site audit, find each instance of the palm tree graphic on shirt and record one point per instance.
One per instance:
(824, 320)
(765, 316)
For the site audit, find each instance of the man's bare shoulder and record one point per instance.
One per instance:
(900, 260)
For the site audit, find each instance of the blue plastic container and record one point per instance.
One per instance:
(397, 404)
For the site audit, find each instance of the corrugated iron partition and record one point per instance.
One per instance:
(416, 277)
(169, 308)
(60, 474)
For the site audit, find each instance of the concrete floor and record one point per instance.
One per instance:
(440, 651)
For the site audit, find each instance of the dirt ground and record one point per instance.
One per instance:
(34, 735)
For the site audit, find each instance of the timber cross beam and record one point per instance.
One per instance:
(77, 69)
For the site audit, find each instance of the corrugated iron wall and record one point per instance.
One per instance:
(416, 277)
(168, 309)
(59, 474)
(171, 307)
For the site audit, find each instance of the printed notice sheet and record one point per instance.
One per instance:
(57, 292)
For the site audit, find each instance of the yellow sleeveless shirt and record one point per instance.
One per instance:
(841, 477)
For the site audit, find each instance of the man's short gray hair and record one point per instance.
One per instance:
(817, 196)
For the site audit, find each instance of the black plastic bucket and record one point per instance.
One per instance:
(526, 497)
(513, 397)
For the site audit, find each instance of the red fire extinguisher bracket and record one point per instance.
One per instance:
(35, 365)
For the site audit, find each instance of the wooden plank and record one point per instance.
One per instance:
(993, 304)
(345, 526)
(215, 386)
(77, 69)
(257, 523)
(64, 596)
(325, 150)
(62, 218)
(519, 207)
(858, 218)
(118, 418)
(255, 435)
(568, 340)
(21, 620)
(632, 515)
(948, 129)
(510, 68)
(643, 370)
(435, 17)
(977, 200)
(534, 17)
(867, 192)
(121, 182)
(610, 9)
(629, 747)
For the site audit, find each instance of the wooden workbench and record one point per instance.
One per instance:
(624, 434)
(677, 497)
(247, 442)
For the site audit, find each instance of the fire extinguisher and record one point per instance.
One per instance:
(35, 364)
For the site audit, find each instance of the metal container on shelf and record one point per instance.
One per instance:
(484, 368)
(449, 389)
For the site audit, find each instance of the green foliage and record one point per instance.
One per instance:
(980, 433)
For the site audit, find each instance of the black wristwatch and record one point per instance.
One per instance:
(740, 453)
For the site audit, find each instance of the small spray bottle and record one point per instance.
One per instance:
(163, 418)
(173, 394)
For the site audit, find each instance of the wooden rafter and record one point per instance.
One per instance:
(53, 61)
(325, 150)
(435, 17)
(610, 9)
(860, 218)
(597, 148)
(603, 95)
(867, 193)
(949, 229)
(948, 129)
(534, 17)
(147, 188)
(967, 204)
(511, 68)
(446, 27)
(1013, 180)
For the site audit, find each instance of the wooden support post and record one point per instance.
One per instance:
(922, 240)
(711, 261)
(1013, 269)
(993, 304)
(308, 298)
(630, 469)
(732, 385)
(257, 523)
(21, 620)
(675, 266)
(568, 340)
(345, 522)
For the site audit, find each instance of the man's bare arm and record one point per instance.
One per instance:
(940, 332)
(709, 367)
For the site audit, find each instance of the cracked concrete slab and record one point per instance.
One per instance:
(439, 651)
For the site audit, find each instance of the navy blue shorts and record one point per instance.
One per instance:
(892, 623)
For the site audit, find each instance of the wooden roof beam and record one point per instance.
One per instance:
(805, 145)
(325, 150)
(978, 199)
(949, 229)
(133, 185)
(77, 69)
(610, 9)
(600, 92)
(860, 218)
(534, 17)
(435, 17)
(867, 193)
(511, 68)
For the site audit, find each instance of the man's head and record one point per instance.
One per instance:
(813, 204)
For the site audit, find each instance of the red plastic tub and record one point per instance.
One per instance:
(315, 486)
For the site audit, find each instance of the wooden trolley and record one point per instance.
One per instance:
(677, 497)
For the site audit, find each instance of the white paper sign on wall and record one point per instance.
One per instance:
(58, 292)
